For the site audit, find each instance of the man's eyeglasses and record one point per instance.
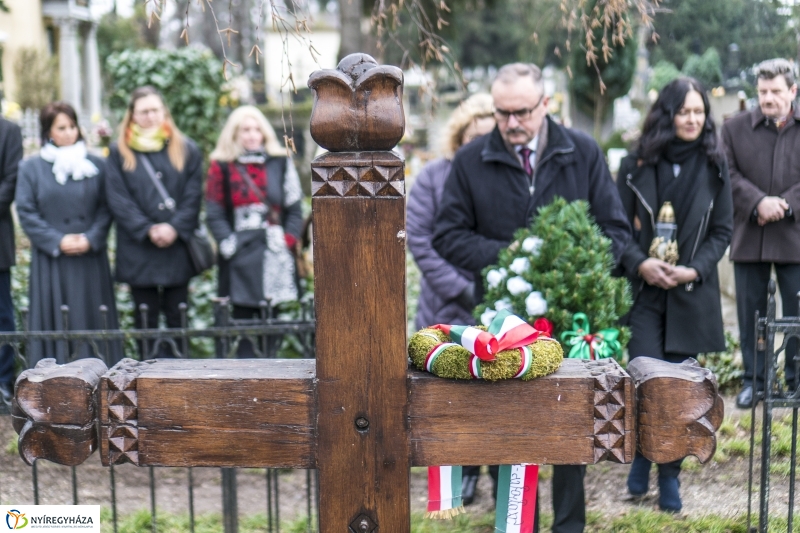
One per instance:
(520, 114)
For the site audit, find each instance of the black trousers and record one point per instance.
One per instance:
(159, 300)
(569, 499)
(6, 324)
(752, 280)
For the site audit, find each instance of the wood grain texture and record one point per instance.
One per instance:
(246, 413)
(54, 413)
(358, 106)
(679, 409)
(549, 421)
(359, 256)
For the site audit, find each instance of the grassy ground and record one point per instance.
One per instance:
(634, 522)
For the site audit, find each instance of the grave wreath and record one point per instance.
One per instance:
(557, 274)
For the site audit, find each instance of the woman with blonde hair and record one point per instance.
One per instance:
(254, 211)
(154, 193)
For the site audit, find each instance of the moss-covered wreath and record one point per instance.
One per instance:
(543, 357)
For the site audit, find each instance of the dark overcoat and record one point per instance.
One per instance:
(47, 211)
(763, 162)
(10, 156)
(136, 206)
(441, 282)
(694, 312)
(487, 197)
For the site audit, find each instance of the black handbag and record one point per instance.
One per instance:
(199, 245)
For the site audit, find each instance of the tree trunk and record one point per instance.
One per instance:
(351, 39)
(599, 113)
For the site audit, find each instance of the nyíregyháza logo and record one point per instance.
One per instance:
(16, 519)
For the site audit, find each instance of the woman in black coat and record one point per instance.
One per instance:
(152, 231)
(61, 204)
(254, 211)
(676, 312)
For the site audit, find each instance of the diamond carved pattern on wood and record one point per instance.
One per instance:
(610, 433)
(120, 433)
(358, 174)
(124, 445)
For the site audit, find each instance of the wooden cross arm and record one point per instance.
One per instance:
(263, 413)
(54, 413)
(679, 409)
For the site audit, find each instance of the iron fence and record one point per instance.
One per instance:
(265, 336)
(777, 392)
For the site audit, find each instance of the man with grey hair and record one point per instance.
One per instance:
(763, 151)
(497, 184)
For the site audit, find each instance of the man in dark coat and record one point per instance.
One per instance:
(763, 150)
(497, 184)
(10, 156)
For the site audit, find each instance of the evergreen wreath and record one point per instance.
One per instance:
(437, 351)
(559, 269)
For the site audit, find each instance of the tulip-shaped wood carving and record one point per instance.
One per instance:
(358, 106)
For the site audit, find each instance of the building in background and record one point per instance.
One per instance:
(63, 29)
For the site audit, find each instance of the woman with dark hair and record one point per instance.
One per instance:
(61, 204)
(154, 193)
(677, 194)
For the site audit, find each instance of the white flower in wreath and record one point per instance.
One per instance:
(501, 305)
(495, 276)
(487, 317)
(517, 285)
(532, 245)
(535, 304)
(520, 265)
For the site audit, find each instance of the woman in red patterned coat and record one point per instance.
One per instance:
(254, 211)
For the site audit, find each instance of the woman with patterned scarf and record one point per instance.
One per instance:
(154, 193)
(254, 211)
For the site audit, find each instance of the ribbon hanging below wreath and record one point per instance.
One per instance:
(587, 345)
(444, 492)
(516, 498)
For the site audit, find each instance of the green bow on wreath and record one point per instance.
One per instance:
(586, 345)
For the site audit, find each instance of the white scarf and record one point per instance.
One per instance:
(69, 161)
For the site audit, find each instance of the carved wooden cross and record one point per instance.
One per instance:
(358, 413)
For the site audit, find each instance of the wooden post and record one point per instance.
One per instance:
(359, 219)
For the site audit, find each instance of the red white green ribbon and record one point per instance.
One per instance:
(476, 341)
(475, 367)
(444, 491)
(516, 498)
(506, 332)
(512, 332)
(525, 361)
(434, 354)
